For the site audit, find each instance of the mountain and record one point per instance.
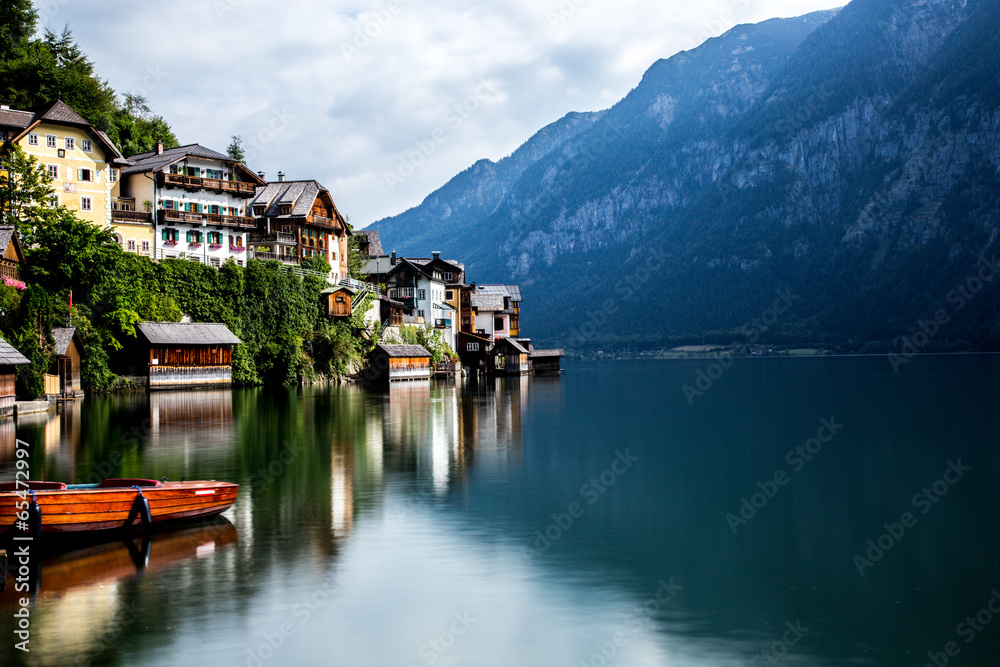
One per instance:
(849, 159)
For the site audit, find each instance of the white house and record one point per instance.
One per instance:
(198, 198)
(422, 285)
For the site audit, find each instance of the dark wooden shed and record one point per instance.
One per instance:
(11, 257)
(9, 360)
(186, 355)
(508, 358)
(69, 348)
(338, 300)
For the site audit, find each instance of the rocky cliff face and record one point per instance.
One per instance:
(851, 156)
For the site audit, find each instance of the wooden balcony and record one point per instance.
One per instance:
(326, 223)
(276, 257)
(193, 183)
(238, 222)
(132, 217)
(274, 238)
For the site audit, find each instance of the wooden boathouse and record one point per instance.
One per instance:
(9, 360)
(69, 351)
(508, 358)
(181, 355)
(401, 362)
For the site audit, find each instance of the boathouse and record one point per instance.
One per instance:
(186, 355)
(69, 351)
(401, 362)
(545, 361)
(11, 258)
(338, 300)
(473, 350)
(9, 360)
(508, 358)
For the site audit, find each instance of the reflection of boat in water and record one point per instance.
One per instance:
(54, 571)
(53, 508)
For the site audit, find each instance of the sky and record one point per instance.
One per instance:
(384, 101)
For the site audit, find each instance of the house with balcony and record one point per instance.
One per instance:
(195, 199)
(12, 257)
(428, 289)
(82, 161)
(297, 220)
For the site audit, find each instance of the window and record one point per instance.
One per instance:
(213, 173)
(449, 295)
(168, 204)
(125, 206)
(131, 245)
(85, 175)
(421, 294)
(50, 141)
(70, 143)
(87, 145)
(497, 323)
(258, 210)
(420, 313)
(215, 238)
(472, 347)
(32, 139)
(145, 246)
(169, 234)
(86, 204)
(54, 201)
(54, 172)
(239, 262)
(194, 237)
(286, 209)
(215, 262)
(173, 169)
(447, 276)
(113, 175)
(213, 209)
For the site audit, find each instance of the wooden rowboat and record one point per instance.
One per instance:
(54, 508)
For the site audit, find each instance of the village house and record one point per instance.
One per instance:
(9, 360)
(297, 220)
(194, 198)
(183, 355)
(82, 161)
(12, 258)
(496, 310)
(428, 290)
(508, 357)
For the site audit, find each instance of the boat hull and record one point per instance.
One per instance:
(73, 511)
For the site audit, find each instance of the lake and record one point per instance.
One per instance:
(813, 511)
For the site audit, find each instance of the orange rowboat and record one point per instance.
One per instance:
(54, 508)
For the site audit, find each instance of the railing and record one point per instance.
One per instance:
(172, 215)
(196, 183)
(320, 221)
(278, 238)
(133, 217)
(275, 257)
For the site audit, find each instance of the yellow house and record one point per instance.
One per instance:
(84, 165)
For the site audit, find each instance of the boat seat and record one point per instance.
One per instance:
(118, 483)
(32, 486)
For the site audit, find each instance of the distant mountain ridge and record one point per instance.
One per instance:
(851, 156)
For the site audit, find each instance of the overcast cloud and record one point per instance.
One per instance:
(383, 101)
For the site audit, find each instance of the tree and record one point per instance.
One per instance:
(356, 260)
(17, 25)
(235, 148)
(25, 190)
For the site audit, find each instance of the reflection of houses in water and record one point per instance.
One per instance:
(186, 422)
(492, 410)
(341, 491)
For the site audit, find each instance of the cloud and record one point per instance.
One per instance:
(364, 85)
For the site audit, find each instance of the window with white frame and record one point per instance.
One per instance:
(421, 294)
(113, 175)
(131, 245)
(145, 246)
(87, 145)
(86, 204)
(70, 143)
(216, 262)
(54, 201)
(53, 171)
(85, 175)
(447, 275)
(50, 141)
(33, 139)
(472, 347)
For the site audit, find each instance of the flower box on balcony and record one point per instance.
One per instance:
(193, 246)
(15, 283)
(236, 248)
(214, 246)
(170, 244)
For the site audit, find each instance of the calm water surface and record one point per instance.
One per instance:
(595, 519)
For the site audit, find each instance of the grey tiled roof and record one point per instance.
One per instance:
(9, 356)
(6, 233)
(404, 350)
(15, 118)
(374, 241)
(61, 112)
(513, 291)
(514, 344)
(185, 333)
(547, 353)
(58, 112)
(150, 161)
(486, 302)
(301, 195)
(63, 336)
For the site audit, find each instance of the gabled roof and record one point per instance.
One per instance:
(62, 113)
(300, 195)
(486, 302)
(340, 288)
(8, 234)
(512, 291)
(404, 350)
(63, 337)
(186, 333)
(547, 353)
(153, 161)
(513, 343)
(9, 356)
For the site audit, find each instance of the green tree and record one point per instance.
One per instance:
(235, 149)
(24, 191)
